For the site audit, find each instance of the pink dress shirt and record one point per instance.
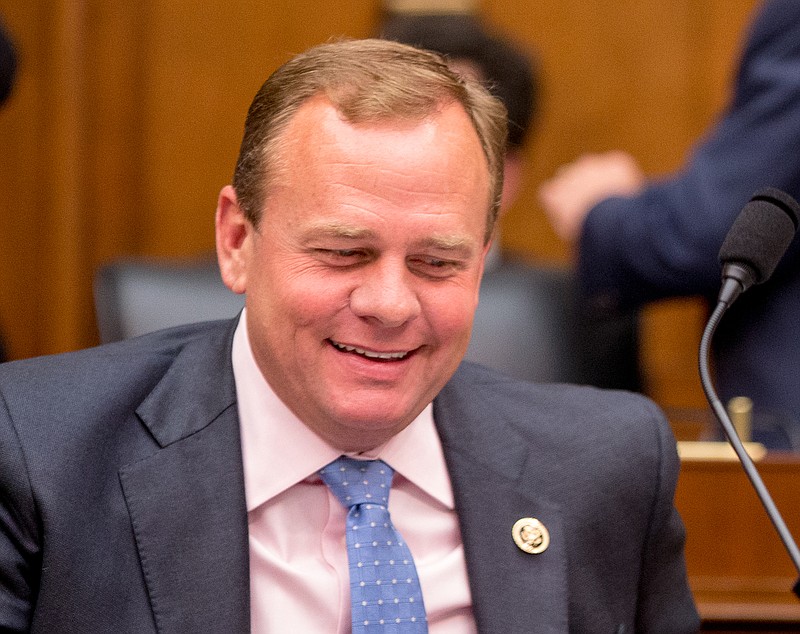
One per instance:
(299, 580)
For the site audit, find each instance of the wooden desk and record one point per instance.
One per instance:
(739, 570)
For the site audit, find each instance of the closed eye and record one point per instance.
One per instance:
(435, 267)
(342, 257)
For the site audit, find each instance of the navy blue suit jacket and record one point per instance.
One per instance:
(123, 505)
(665, 242)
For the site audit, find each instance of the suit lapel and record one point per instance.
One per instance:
(186, 501)
(494, 482)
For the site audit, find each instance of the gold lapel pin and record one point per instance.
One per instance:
(530, 535)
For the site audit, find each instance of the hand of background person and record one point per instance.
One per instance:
(578, 186)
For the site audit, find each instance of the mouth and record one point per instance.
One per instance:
(372, 355)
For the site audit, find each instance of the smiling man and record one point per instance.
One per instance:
(361, 271)
(325, 462)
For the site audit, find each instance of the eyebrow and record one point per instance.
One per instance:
(444, 242)
(337, 230)
(452, 242)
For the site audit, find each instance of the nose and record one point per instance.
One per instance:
(386, 294)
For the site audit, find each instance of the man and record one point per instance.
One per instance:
(641, 241)
(179, 482)
(529, 323)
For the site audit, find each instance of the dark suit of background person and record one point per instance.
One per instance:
(529, 323)
(8, 68)
(121, 467)
(664, 240)
(108, 474)
(8, 64)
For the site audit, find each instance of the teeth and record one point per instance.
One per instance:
(369, 353)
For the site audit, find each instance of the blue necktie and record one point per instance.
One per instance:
(385, 595)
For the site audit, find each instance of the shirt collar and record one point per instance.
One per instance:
(279, 450)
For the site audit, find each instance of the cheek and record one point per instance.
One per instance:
(308, 300)
(451, 313)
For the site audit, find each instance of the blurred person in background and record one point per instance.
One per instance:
(639, 240)
(8, 70)
(8, 63)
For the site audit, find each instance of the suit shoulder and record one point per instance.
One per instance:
(558, 409)
(162, 342)
(85, 374)
(474, 376)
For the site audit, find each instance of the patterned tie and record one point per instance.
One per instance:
(385, 595)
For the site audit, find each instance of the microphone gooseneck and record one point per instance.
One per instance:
(755, 244)
(735, 442)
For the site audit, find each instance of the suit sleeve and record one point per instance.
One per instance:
(664, 242)
(19, 533)
(665, 603)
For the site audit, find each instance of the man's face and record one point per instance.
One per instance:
(362, 279)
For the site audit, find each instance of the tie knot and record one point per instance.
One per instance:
(358, 481)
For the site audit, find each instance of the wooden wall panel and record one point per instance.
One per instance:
(126, 121)
(20, 207)
(196, 103)
(42, 167)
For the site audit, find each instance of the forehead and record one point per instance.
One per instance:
(440, 151)
(398, 182)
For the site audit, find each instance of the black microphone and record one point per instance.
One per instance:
(756, 242)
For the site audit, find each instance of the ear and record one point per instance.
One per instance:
(488, 246)
(234, 240)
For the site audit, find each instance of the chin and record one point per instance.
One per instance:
(383, 421)
(379, 420)
(361, 435)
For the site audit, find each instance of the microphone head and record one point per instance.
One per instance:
(761, 233)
